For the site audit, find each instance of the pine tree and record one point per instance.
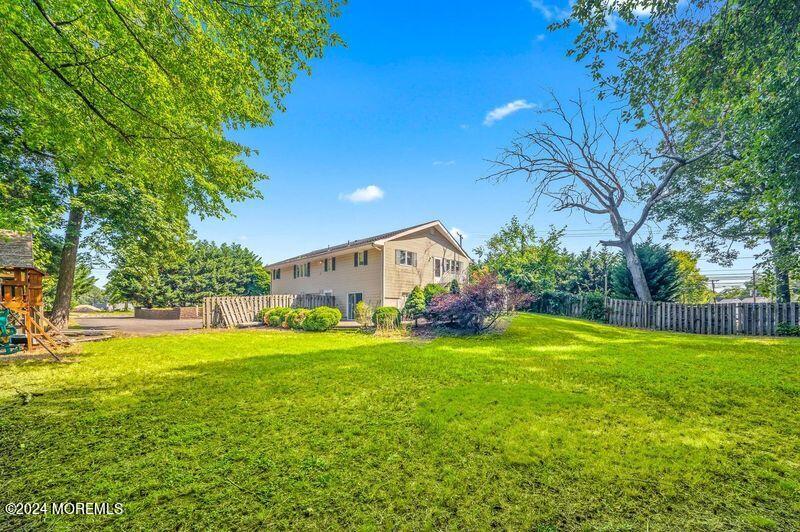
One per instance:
(415, 304)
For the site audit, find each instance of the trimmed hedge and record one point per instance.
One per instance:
(274, 317)
(322, 319)
(295, 319)
(386, 317)
(787, 329)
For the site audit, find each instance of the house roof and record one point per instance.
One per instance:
(748, 299)
(16, 250)
(377, 240)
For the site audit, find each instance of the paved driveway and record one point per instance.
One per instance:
(130, 326)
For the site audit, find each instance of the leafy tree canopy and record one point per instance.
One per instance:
(693, 286)
(517, 255)
(728, 66)
(207, 270)
(149, 87)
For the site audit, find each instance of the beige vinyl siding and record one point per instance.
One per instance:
(427, 244)
(344, 280)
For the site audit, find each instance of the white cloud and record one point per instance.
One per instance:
(464, 126)
(443, 163)
(455, 231)
(363, 195)
(242, 238)
(611, 22)
(550, 11)
(501, 112)
(540, 37)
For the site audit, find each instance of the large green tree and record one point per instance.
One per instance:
(588, 271)
(206, 270)
(130, 101)
(693, 285)
(730, 66)
(516, 254)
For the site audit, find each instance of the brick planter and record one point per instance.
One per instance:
(175, 313)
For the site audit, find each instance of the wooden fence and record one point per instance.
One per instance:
(757, 319)
(233, 311)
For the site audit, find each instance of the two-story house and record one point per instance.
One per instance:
(380, 270)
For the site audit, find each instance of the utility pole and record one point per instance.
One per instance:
(754, 286)
(714, 287)
(460, 240)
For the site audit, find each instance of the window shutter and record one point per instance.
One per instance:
(333, 263)
(365, 258)
(413, 259)
(308, 269)
(355, 259)
(397, 259)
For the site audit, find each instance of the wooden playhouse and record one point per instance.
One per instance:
(21, 304)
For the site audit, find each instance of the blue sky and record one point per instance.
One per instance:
(403, 107)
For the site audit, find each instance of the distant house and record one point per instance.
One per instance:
(380, 270)
(749, 299)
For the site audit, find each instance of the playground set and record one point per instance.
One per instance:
(23, 324)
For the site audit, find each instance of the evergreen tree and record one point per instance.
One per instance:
(415, 304)
(660, 269)
(208, 270)
(455, 288)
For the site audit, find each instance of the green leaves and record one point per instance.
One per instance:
(205, 270)
(144, 90)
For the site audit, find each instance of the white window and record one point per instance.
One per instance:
(406, 258)
(437, 268)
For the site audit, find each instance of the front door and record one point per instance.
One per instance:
(352, 301)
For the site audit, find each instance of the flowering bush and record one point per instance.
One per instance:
(478, 306)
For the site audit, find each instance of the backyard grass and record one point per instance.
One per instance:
(553, 424)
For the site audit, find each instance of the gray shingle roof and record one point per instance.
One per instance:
(349, 244)
(16, 250)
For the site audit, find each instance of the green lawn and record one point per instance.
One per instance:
(555, 424)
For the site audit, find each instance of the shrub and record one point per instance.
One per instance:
(415, 304)
(363, 313)
(454, 287)
(295, 318)
(554, 302)
(476, 308)
(386, 318)
(432, 290)
(594, 307)
(274, 317)
(322, 319)
(787, 329)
